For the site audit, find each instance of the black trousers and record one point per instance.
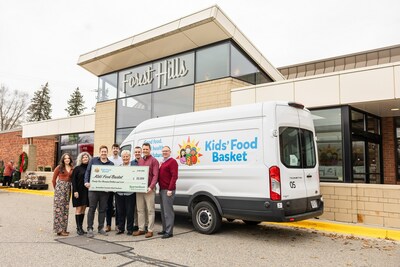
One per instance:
(110, 209)
(126, 210)
(6, 180)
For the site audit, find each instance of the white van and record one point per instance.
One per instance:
(253, 162)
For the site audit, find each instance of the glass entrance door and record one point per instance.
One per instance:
(366, 162)
(374, 165)
(358, 161)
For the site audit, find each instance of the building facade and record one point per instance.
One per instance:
(203, 61)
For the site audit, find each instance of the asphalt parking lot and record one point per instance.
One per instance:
(26, 239)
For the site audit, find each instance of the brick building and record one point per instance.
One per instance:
(12, 145)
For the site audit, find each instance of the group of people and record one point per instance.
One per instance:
(135, 212)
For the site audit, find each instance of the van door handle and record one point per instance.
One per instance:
(309, 176)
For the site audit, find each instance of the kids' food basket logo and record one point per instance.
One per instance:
(189, 152)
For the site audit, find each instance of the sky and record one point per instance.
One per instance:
(41, 40)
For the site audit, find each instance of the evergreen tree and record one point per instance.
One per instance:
(75, 103)
(40, 107)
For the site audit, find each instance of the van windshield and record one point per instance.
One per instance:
(297, 147)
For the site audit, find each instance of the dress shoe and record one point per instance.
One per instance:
(166, 235)
(129, 233)
(119, 232)
(161, 233)
(148, 234)
(138, 233)
(108, 228)
(63, 234)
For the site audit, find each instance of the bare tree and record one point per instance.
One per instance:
(13, 106)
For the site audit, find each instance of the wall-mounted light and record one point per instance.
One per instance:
(394, 109)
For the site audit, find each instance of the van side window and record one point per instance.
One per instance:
(297, 149)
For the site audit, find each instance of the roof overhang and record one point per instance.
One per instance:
(205, 27)
(55, 127)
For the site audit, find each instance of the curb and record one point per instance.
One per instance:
(29, 191)
(341, 228)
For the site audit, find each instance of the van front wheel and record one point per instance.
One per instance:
(206, 218)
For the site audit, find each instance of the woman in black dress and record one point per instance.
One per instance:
(80, 199)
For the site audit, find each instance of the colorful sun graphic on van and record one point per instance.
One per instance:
(189, 152)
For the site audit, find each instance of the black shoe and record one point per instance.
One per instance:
(80, 231)
(129, 233)
(161, 233)
(119, 232)
(166, 235)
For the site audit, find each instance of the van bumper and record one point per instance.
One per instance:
(272, 211)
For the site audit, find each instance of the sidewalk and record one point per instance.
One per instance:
(359, 230)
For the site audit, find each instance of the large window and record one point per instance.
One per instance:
(171, 102)
(349, 145)
(174, 72)
(366, 148)
(243, 69)
(133, 110)
(135, 81)
(328, 128)
(212, 62)
(163, 74)
(107, 87)
(76, 143)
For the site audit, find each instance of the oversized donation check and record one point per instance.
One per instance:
(119, 178)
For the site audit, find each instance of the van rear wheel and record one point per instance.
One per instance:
(206, 218)
(251, 222)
